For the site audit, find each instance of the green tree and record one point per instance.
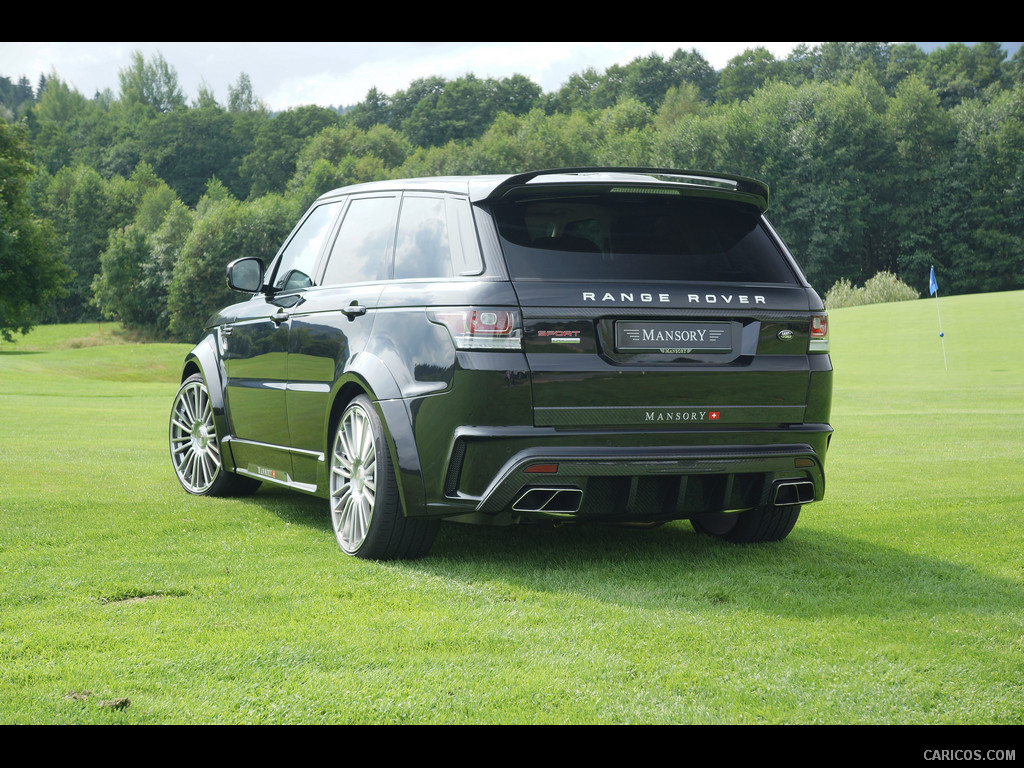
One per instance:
(135, 274)
(84, 209)
(240, 96)
(1015, 67)
(153, 83)
(646, 79)
(626, 138)
(31, 274)
(384, 143)
(119, 138)
(680, 102)
(463, 108)
(799, 66)
(520, 143)
(341, 155)
(580, 91)
(77, 206)
(270, 162)
(56, 120)
(374, 109)
(691, 67)
(923, 136)
(404, 102)
(838, 62)
(905, 60)
(516, 95)
(188, 147)
(747, 72)
(979, 202)
(958, 72)
(224, 230)
(15, 98)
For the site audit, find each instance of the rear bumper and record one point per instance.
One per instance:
(616, 477)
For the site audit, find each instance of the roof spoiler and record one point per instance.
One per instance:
(750, 190)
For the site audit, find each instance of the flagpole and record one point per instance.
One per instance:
(933, 287)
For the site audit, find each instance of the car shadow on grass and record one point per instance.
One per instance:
(811, 573)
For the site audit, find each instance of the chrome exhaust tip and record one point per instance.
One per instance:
(787, 492)
(564, 500)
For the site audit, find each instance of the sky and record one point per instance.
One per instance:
(286, 75)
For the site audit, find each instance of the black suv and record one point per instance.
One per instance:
(591, 344)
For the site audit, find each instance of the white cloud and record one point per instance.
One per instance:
(289, 74)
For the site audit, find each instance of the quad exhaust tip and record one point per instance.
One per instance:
(792, 492)
(564, 500)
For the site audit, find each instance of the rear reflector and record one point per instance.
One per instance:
(548, 469)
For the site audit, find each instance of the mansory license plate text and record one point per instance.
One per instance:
(673, 337)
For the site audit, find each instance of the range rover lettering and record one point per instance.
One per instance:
(606, 344)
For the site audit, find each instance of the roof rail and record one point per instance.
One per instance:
(741, 184)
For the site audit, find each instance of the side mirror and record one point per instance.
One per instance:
(246, 275)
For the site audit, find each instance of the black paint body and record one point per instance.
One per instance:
(637, 434)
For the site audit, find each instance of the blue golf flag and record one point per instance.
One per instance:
(933, 289)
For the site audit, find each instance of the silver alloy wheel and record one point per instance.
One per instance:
(353, 478)
(195, 452)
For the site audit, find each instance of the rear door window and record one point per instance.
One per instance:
(362, 249)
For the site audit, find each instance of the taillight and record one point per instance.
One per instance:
(481, 328)
(819, 333)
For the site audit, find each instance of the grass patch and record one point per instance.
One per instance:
(896, 600)
(44, 338)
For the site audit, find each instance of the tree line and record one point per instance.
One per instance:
(881, 157)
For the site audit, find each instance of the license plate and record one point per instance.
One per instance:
(673, 338)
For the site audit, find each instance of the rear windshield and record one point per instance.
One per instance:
(656, 235)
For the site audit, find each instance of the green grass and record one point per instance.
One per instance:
(896, 600)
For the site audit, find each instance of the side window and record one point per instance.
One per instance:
(295, 268)
(362, 249)
(423, 248)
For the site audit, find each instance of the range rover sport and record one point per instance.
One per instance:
(609, 344)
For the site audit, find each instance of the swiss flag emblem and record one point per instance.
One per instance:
(714, 415)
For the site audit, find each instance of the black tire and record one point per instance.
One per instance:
(195, 447)
(753, 526)
(366, 511)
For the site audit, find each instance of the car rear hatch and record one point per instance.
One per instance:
(655, 304)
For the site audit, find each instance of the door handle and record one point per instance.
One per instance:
(280, 317)
(352, 311)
